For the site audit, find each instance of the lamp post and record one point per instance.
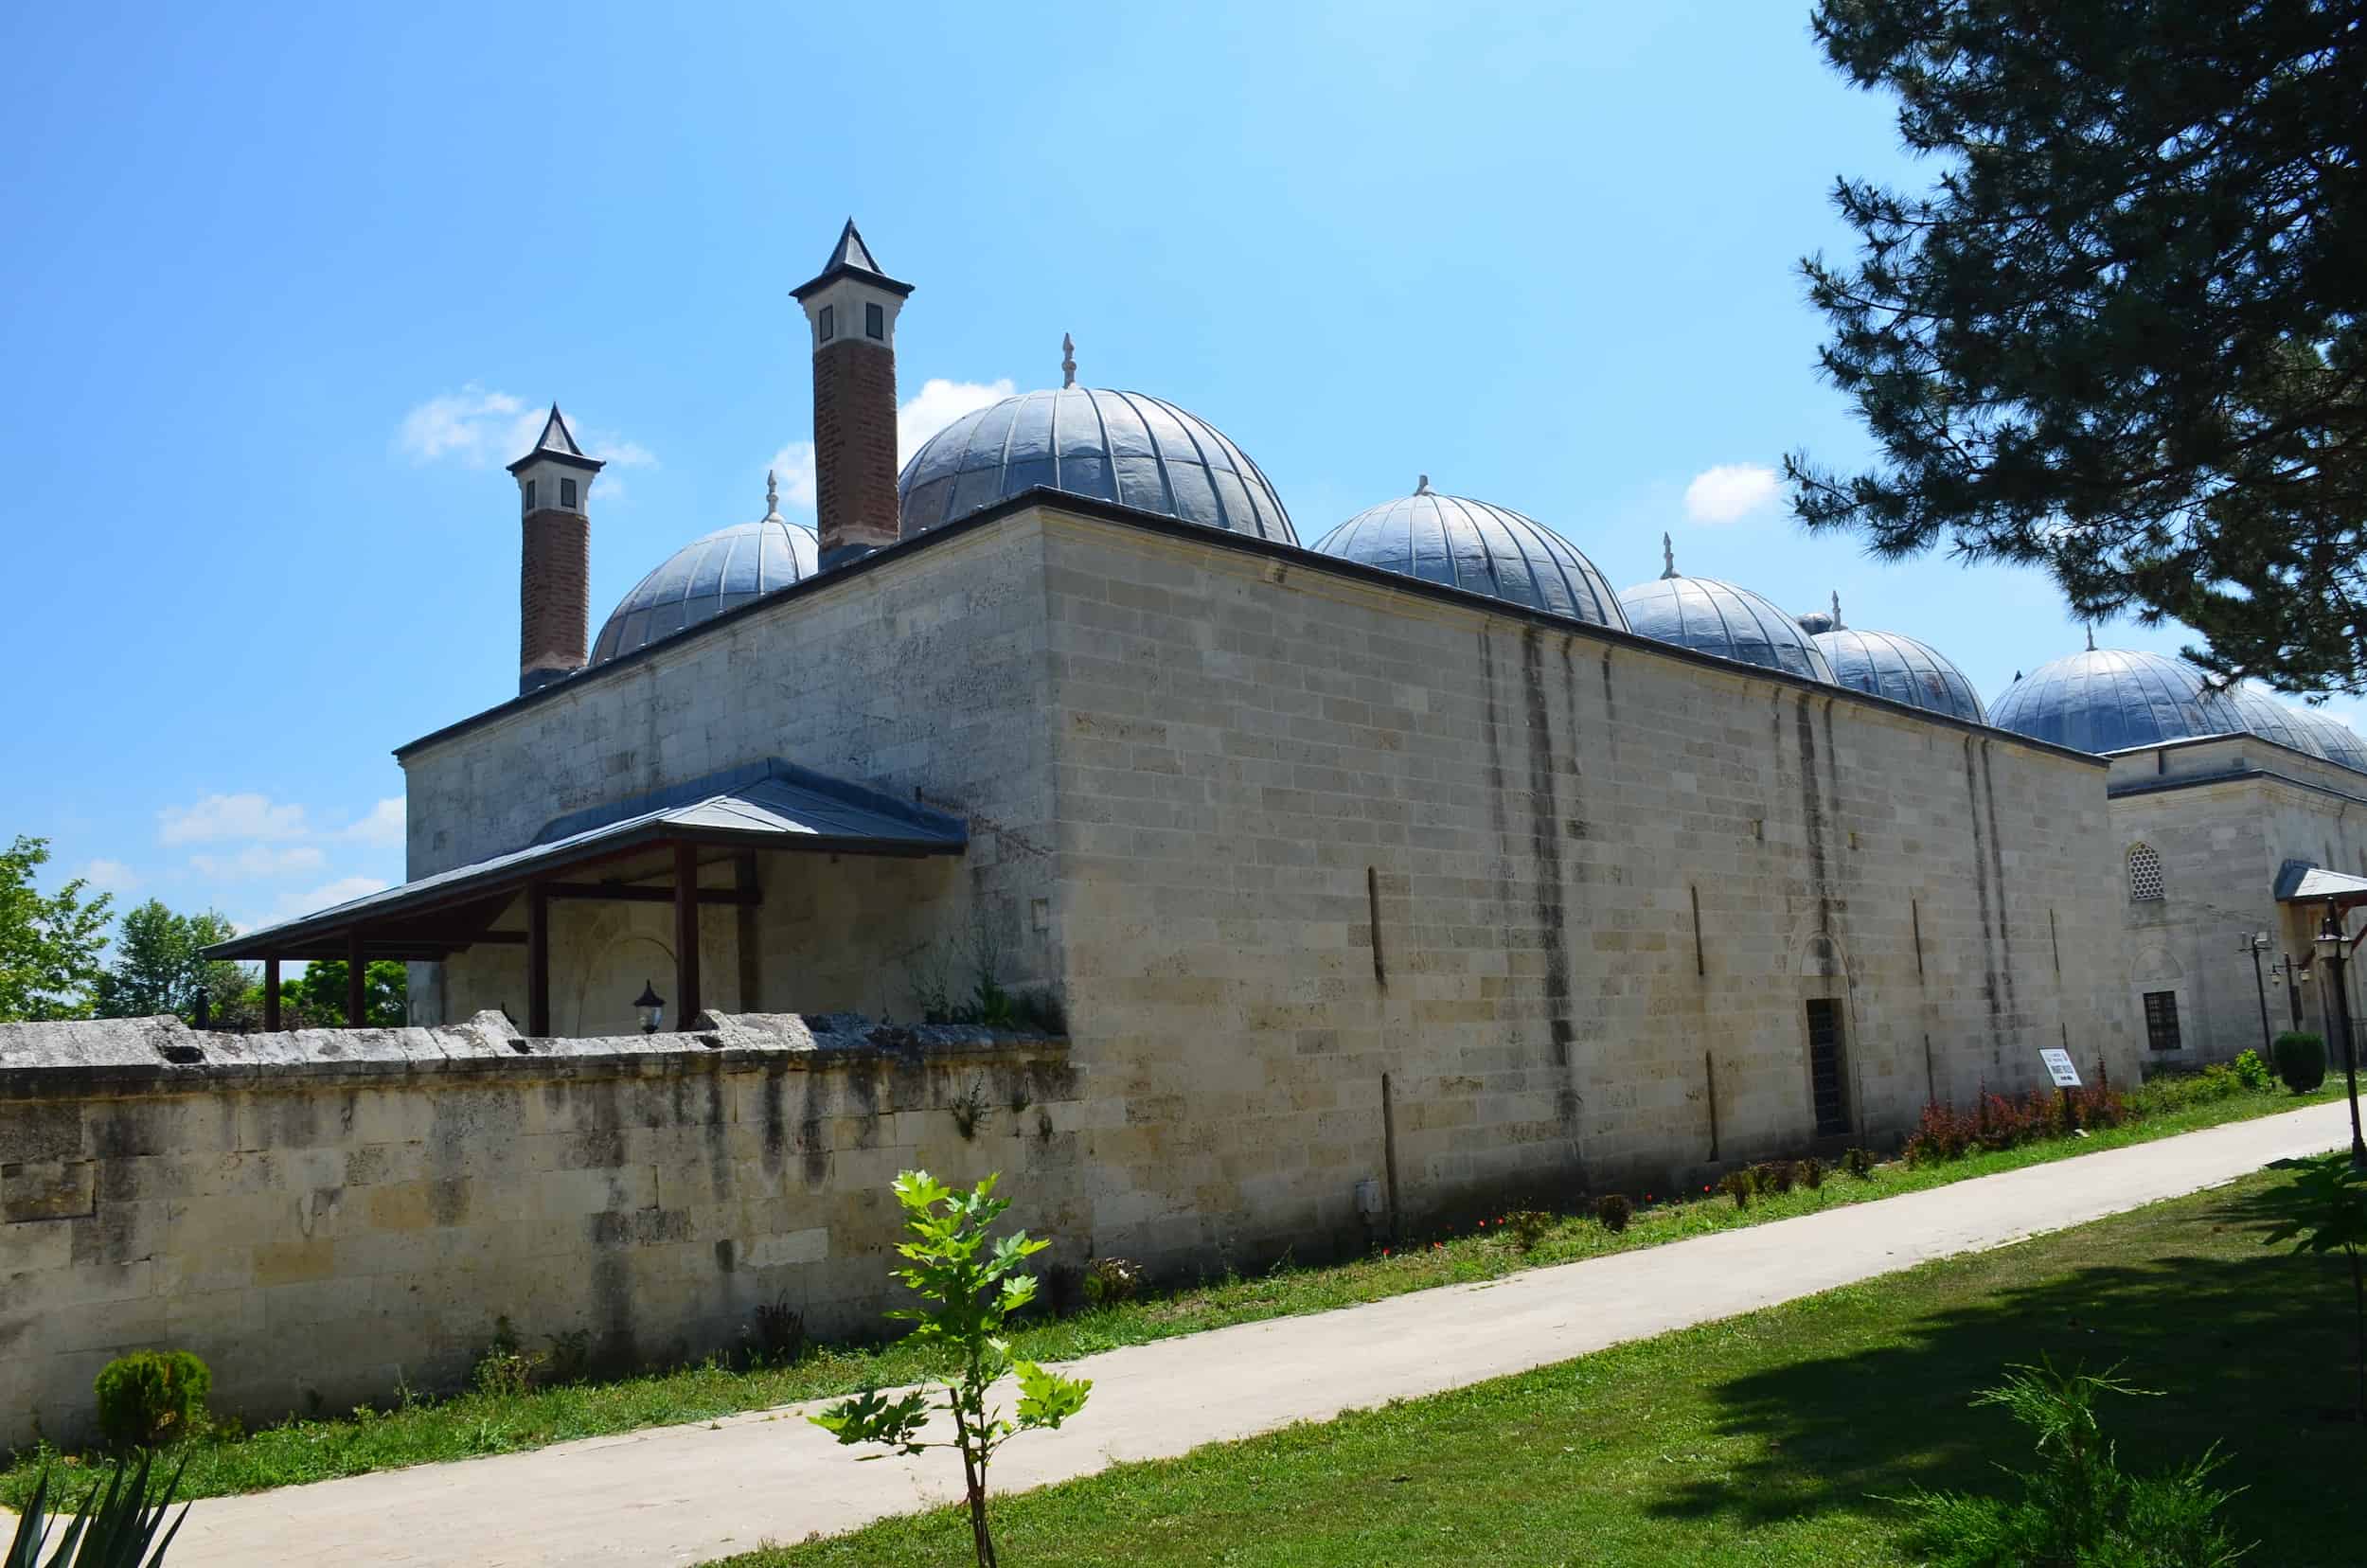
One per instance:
(2330, 946)
(2290, 975)
(2257, 945)
(652, 1007)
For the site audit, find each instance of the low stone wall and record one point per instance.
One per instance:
(325, 1215)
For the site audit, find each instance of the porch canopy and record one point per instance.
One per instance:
(2298, 881)
(603, 853)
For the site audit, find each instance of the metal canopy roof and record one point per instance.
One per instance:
(771, 805)
(2298, 881)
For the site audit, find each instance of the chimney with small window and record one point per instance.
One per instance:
(555, 563)
(851, 308)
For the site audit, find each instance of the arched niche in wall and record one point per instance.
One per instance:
(619, 966)
(1830, 1049)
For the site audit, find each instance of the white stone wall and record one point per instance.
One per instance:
(925, 679)
(1249, 749)
(327, 1215)
(2224, 815)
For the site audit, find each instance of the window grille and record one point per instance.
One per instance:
(2144, 873)
(2162, 1021)
(1824, 1076)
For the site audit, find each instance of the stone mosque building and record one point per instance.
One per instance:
(1348, 884)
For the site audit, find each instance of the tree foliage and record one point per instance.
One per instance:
(2121, 336)
(969, 1287)
(159, 967)
(2325, 1211)
(49, 943)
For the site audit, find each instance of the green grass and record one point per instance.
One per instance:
(1770, 1440)
(471, 1424)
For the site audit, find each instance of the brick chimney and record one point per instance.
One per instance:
(555, 565)
(851, 308)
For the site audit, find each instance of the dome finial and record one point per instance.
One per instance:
(1421, 484)
(1837, 626)
(1668, 558)
(772, 493)
(1068, 361)
(2092, 636)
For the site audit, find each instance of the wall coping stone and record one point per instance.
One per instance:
(117, 1056)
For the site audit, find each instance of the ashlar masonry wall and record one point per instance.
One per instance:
(325, 1215)
(1359, 883)
(2224, 815)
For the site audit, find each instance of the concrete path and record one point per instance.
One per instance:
(685, 1494)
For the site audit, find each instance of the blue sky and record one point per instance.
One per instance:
(282, 287)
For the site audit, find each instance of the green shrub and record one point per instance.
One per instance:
(1811, 1172)
(1613, 1210)
(506, 1371)
(780, 1333)
(2253, 1072)
(1528, 1227)
(2077, 1508)
(2301, 1061)
(1738, 1185)
(1112, 1282)
(150, 1397)
(1858, 1163)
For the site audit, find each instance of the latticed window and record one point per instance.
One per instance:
(2144, 873)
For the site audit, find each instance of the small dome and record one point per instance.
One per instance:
(2255, 712)
(1111, 446)
(2333, 740)
(1888, 665)
(1488, 549)
(2106, 701)
(1710, 616)
(707, 577)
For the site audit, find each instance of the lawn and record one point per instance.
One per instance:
(1770, 1440)
(471, 1424)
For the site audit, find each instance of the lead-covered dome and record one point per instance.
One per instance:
(1474, 544)
(1885, 664)
(2104, 701)
(1710, 616)
(1127, 447)
(2330, 738)
(707, 577)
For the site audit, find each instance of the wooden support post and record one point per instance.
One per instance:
(686, 936)
(746, 883)
(271, 996)
(538, 961)
(356, 968)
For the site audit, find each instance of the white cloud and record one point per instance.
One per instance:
(1728, 491)
(258, 861)
(939, 403)
(109, 876)
(383, 826)
(230, 816)
(482, 429)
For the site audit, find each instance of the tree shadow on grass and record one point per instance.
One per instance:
(2250, 1344)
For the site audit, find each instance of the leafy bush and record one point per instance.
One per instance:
(2323, 1211)
(1112, 1282)
(1858, 1163)
(1738, 1185)
(1811, 1172)
(970, 1290)
(1613, 1211)
(114, 1525)
(2253, 1072)
(151, 1398)
(2301, 1061)
(571, 1356)
(2179, 1091)
(506, 1371)
(2077, 1508)
(1998, 1122)
(1528, 1227)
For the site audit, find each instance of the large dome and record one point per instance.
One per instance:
(1710, 616)
(1888, 665)
(1125, 447)
(1488, 549)
(2106, 701)
(2332, 738)
(707, 577)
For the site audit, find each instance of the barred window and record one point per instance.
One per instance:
(2144, 873)
(2162, 1020)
